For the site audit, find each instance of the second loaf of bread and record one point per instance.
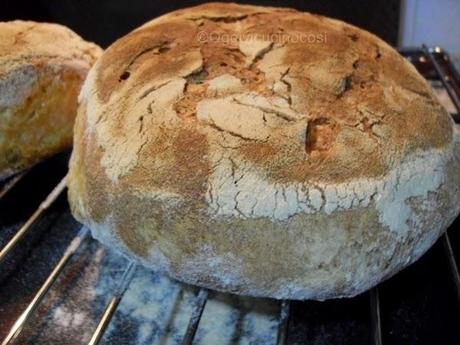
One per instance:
(42, 68)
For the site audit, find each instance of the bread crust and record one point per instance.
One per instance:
(42, 68)
(275, 168)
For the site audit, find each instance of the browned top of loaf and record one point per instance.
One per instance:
(357, 106)
(30, 42)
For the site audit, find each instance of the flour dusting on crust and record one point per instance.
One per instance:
(285, 169)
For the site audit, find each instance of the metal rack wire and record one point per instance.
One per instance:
(449, 77)
(33, 218)
(10, 183)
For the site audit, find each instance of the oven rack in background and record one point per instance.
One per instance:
(434, 64)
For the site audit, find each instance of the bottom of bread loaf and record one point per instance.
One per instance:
(317, 256)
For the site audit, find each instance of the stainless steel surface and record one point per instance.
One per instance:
(283, 322)
(195, 318)
(11, 183)
(106, 317)
(452, 264)
(375, 317)
(445, 79)
(113, 303)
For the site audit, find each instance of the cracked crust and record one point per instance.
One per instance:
(287, 169)
(42, 67)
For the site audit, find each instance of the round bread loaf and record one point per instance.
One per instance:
(42, 67)
(263, 151)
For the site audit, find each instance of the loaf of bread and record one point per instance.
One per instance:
(42, 67)
(263, 151)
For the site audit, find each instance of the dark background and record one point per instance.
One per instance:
(104, 21)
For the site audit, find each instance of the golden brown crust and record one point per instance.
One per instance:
(211, 143)
(379, 82)
(42, 67)
(23, 41)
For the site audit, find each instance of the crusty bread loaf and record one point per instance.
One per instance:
(216, 145)
(42, 67)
